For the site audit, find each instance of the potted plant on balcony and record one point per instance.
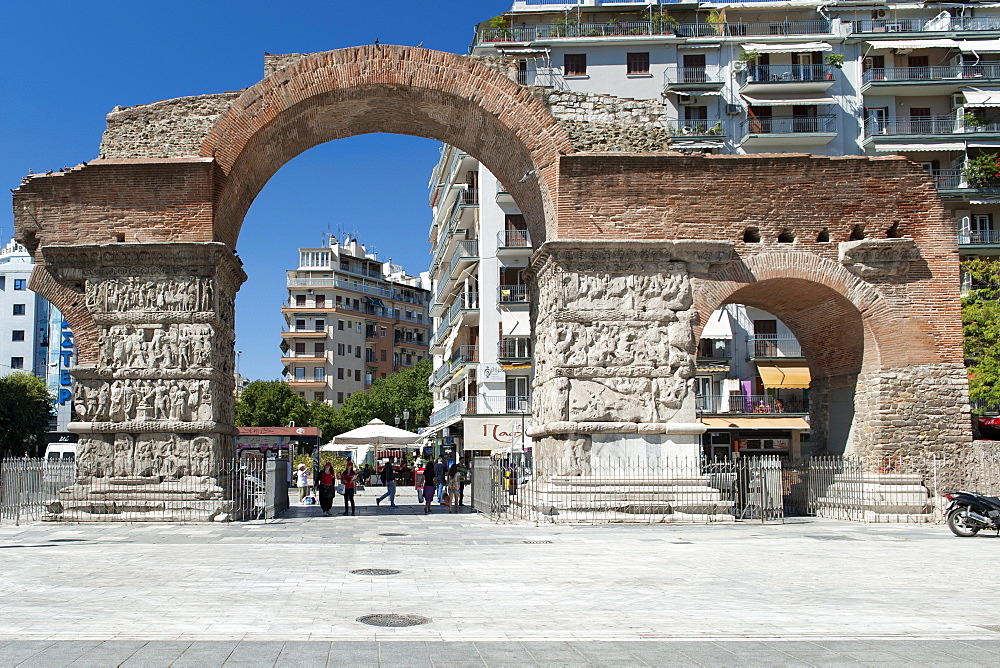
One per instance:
(717, 22)
(971, 121)
(836, 60)
(983, 171)
(499, 29)
(715, 129)
(663, 24)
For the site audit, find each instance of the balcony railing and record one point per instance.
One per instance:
(979, 237)
(370, 356)
(947, 179)
(936, 73)
(465, 355)
(513, 239)
(695, 128)
(440, 374)
(773, 346)
(928, 125)
(513, 294)
(467, 301)
(300, 282)
(707, 74)
(787, 73)
(933, 25)
(789, 124)
(518, 404)
(755, 403)
(636, 28)
(514, 348)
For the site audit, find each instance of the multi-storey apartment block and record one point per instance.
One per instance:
(350, 319)
(33, 336)
(920, 80)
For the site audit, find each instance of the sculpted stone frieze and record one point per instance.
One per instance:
(128, 400)
(164, 455)
(181, 347)
(872, 258)
(132, 293)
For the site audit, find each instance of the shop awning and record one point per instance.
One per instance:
(718, 326)
(769, 422)
(781, 376)
(800, 47)
(912, 44)
(981, 97)
(982, 46)
(916, 148)
(375, 301)
(788, 101)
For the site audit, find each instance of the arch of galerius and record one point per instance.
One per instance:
(635, 251)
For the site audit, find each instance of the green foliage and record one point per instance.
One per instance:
(981, 327)
(983, 170)
(25, 412)
(270, 403)
(387, 398)
(835, 59)
(749, 56)
(499, 22)
(663, 23)
(339, 463)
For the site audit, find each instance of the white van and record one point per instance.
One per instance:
(60, 452)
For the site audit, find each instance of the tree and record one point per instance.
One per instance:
(270, 403)
(25, 412)
(387, 399)
(981, 327)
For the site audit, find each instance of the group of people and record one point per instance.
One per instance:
(437, 479)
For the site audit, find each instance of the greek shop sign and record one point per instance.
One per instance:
(66, 350)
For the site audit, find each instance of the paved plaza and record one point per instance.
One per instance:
(807, 592)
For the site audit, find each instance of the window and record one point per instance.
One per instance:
(300, 348)
(300, 300)
(319, 374)
(340, 325)
(320, 325)
(17, 335)
(300, 325)
(302, 394)
(357, 375)
(383, 375)
(20, 284)
(300, 373)
(384, 332)
(340, 397)
(383, 355)
(319, 349)
(16, 362)
(340, 373)
(318, 396)
(340, 348)
(320, 301)
(636, 63)
(18, 309)
(3, 283)
(575, 65)
(357, 327)
(338, 300)
(349, 349)
(357, 351)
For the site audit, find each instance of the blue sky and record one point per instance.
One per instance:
(66, 64)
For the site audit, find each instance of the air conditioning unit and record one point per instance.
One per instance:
(687, 99)
(739, 66)
(881, 13)
(734, 109)
(957, 100)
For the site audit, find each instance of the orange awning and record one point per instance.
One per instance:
(769, 422)
(780, 376)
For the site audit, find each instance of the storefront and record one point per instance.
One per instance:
(725, 437)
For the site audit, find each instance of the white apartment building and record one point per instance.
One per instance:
(33, 336)
(350, 319)
(916, 79)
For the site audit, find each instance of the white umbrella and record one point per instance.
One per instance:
(376, 432)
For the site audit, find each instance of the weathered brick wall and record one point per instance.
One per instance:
(166, 129)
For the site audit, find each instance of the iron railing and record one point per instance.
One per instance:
(465, 355)
(762, 28)
(706, 74)
(514, 347)
(463, 406)
(696, 128)
(513, 294)
(934, 25)
(763, 345)
(634, 28)
(929, 125)
(979, 237)
(787, 73)
(513, 239)
(932, 73)
(789, 124)
(236, 489)
(750, 403)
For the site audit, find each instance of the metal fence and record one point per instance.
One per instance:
(758, 489)
(36, 489)
(630, 491)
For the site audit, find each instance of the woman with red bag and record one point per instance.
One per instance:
(349, 479)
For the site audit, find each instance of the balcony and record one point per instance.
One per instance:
(939, 80)
(789, 130)
(464, 303)
(465, 355)
(929, 128)
(769, 346)
(332, 282)
(457, 408)
(677, 78)
(979, 238)
(513, 239)
(518, 404)
(777, 79)
(513, 294)
(514, 348)
(932, 25)
(751, 404)
(544, 32)
(465, 254)
(700, 132)
(440, 374)
(370, 356)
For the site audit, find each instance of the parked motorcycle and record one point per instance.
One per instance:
(969, 513)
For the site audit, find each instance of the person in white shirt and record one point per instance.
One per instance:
(304, 482)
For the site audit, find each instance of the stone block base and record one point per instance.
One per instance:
(876, 497)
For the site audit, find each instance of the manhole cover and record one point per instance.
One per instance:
(536, 542)
(393, 534)
(375, 571)
(393, 620)
(832, 537)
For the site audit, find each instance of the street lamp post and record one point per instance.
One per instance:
(406, 418)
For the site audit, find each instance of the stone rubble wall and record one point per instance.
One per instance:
(606, 123)
(166, 129)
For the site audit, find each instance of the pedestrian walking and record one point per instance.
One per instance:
(429, 486)
(327, 481)
(454, 486)
(388, 478)
(303, 478)
(463, 472)
(366, 474)
(440, 470)
(349, 479)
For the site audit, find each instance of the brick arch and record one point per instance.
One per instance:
(845, 325)
(394, 89)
